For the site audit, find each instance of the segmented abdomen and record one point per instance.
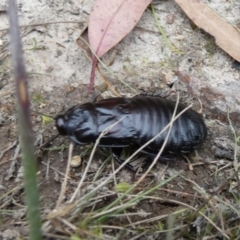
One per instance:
(150, 115)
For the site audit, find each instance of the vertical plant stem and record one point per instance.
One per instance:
(26, 136)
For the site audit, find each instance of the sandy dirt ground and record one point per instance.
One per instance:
(58, 77)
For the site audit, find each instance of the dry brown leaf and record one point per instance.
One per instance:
(226, 35)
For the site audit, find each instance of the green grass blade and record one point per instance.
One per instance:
(26, 138)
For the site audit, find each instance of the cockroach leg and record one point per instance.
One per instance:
(116, 154)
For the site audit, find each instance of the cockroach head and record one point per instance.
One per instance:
(60, 121)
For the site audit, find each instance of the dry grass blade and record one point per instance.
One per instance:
(7, 149)
(81, 41)
(12, 191)
(210, 202)
(102, 213)
(110, 86)
(140, 196)
(85, 47)
(185, 205)
(125, 162)
(91, 157)
(236, 141)
(81, 231)
(95, 217)
(199, 209)
(54, 169)
(164, 144)
(121, 203)
(42, 24)
(60, 199)
(151, 140)
(226, 35)
(153, 219)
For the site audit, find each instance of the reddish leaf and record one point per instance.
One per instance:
(111, 20)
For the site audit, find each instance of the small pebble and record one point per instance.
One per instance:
(170, 19)
(76, 161)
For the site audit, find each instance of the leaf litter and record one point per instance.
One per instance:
(109, 23)
(226, 35)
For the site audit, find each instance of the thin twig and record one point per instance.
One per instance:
(108, 83)
(42, 23)
(104, 65)
(164, 144)
(47, 143)
(102, 213)
(130, 158)
(198, 211)
(64, 184)
(115, 183)
(236, 140)
(199, 189)
(74, 228)
(104, 132)
(54, 169)
(8, 148)
(186, 205)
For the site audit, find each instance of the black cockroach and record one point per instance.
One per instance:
(144, 118)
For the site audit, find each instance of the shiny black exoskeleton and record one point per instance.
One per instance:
(144, 118)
